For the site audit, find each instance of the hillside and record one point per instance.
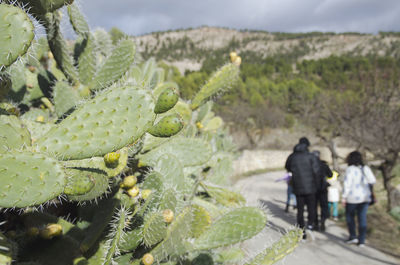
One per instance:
(187, 49)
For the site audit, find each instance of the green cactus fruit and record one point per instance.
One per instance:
(214, 124)
(280, 249)
(221, 80)
(235, 226)
(189, 151)
(224, 196)
(79, 182)
(16, 34)
(166, 100)
(77, 20)
(13, 134)
(112, 120)
(154, 228)
(111, 159)
(100, 187)
(40, 7)
(28, 179)
(167, 126)
(115, 66)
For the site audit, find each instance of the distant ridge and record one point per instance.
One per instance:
(188, 48)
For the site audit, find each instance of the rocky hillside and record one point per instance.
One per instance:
(187, 49)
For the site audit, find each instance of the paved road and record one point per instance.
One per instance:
(328, 248)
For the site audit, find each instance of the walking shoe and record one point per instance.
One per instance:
(310, 232)
(287, 209)
(352, 241)
(335, 218)
(322, 226)
(361, 245)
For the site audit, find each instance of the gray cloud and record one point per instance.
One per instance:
(137, 17)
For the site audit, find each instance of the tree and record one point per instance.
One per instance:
(370, 117)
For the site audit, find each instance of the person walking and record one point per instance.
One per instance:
(304, 167)
(290, 195)
(357, 192)
(322, 193)
(334, 189)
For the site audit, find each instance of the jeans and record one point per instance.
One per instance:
(309, 200)
(361, 210)
(322, 200)
(333, 205)
(290, 196)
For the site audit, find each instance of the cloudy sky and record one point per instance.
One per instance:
(138, 17)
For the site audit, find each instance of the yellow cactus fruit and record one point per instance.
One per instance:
(40, 118)
(50, 55)
(111, 159)
(50, 231)
(148, 259)
(237, 61)
(233, 56)
(146, 194)
(199, 125)
(32, 231)
(133, 192)
(168, 215)
(129, 182)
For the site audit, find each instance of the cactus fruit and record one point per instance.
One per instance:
(166, 100)
(148, 259)
(111, 159)
(16, 34)
(133, 192)
(233, 56)
(168, 216)
(145, 194)
(129, 182)
(50, 231)
(167, 126)
(237, 61)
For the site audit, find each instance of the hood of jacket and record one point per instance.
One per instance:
(300, 148)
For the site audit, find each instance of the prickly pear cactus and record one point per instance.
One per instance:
(124, 171)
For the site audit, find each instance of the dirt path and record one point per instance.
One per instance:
(328, 248)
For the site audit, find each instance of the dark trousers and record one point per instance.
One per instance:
(322, 201)
(361, 210)
(309, 200)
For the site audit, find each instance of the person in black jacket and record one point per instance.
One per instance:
(304, 167)
(322, 193)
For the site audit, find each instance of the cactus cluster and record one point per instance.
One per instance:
(120, 168)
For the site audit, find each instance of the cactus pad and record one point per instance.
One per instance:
(235, 226)
(189, 151)
(154, 228)
(28, 179)
(16, 34)
(108, 122)
(13, 134)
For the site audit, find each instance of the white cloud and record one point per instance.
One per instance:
(143, 16)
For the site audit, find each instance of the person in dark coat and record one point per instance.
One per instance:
(322, 193)
(305, 168)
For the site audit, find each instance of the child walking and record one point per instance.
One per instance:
(290, 195)
(334, 194)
